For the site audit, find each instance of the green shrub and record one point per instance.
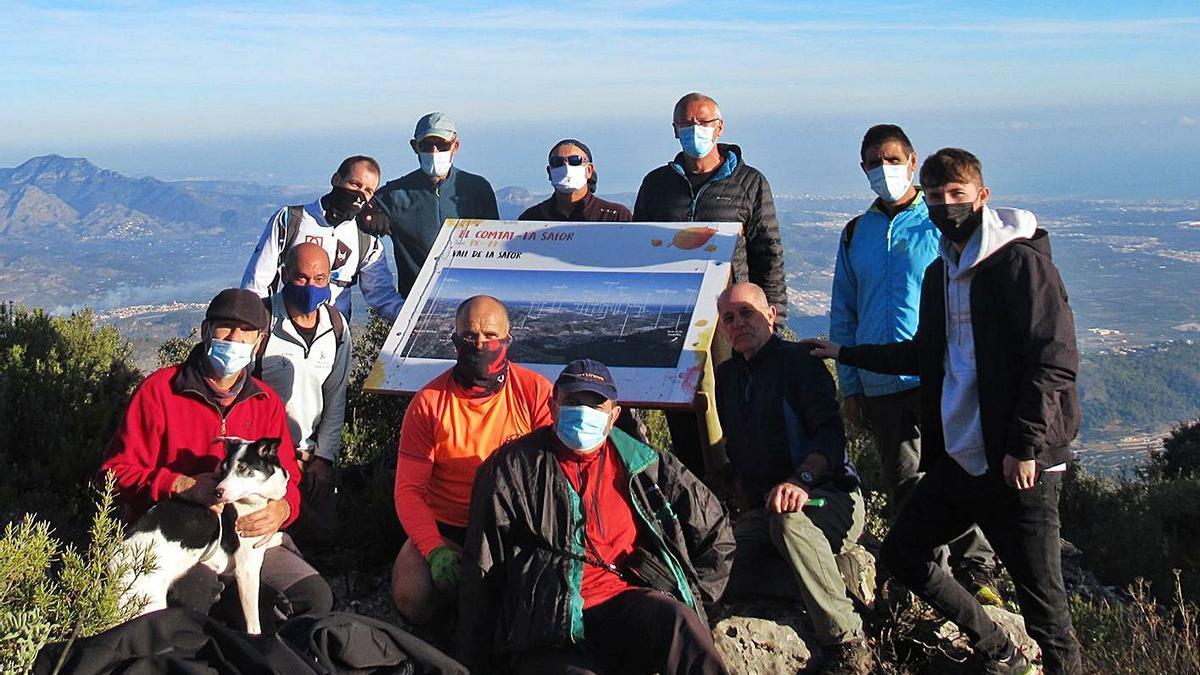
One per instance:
(367, 463)
(1180, 454)
(1136, 528)
(64, 382)
(50, 591)
(372, 420)
(176, 349)
(1140, 637)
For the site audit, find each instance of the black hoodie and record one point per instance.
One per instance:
(1025, 353)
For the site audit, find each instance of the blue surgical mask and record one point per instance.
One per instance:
(307, 298)
(580, 427)
(696, 140)
(228, 357)
(890, 181)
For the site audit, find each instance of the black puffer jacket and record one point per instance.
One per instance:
(517, 594)
(736, 193)
(1025, 356)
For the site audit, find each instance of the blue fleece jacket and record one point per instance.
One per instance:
(877, 289)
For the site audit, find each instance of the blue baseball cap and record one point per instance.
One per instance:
(587, 375)
(435, 124)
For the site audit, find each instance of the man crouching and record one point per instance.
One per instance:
(580, 537)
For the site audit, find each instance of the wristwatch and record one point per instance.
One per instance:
(807, 480)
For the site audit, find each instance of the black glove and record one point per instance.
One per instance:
(372, 220)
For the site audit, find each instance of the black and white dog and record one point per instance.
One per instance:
(182, 534)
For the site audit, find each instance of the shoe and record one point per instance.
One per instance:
(1013, 664)
(979, 582)
(849, 658)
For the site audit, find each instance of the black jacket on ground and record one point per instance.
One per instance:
(1025, 356)
(184, 642)
(518, 595)
(736, 193)
(775, 409)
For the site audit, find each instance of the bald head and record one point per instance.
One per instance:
(746, 317)
(480, 318)
(744, 292)
(695, 97)
(307, 262)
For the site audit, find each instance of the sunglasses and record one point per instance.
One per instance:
(574, 160)
(429, 145)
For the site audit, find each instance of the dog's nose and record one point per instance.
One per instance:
(219, 492)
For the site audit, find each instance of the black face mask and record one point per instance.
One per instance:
(342, 204)
(956, 222)
(481, 371)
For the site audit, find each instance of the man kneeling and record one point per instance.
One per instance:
(589, 552)
(784, 437)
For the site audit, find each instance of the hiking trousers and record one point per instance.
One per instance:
(809, 541)
(1023, 527)
(641, 631)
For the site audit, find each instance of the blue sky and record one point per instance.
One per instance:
(1071, 98)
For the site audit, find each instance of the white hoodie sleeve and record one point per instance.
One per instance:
(263, 267)
(378, 285)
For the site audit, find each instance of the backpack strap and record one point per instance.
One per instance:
(848, 232)
(365, 242)
(285, 236)
(262, 348)
(339, 324)
(291, 226)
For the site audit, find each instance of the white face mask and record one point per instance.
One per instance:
(890, 181)
(436, 164)
(567, 178)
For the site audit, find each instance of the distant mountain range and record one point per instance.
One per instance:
(55, 196)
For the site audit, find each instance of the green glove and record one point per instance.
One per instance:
(445, 565)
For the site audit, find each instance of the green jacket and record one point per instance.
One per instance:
(517, 594)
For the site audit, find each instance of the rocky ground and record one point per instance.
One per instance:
(767, 636)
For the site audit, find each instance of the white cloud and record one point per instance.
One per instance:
(1186, 121)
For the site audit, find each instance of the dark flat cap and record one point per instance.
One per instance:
(239, 306)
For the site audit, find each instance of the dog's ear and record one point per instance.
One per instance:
(268, 448)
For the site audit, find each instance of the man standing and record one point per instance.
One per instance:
(418, 203)
(710, 181)
(306, 360)
(165, 445)
(332, 222)
(785, 442)
(589, 552)
(995, 349)
(572, 174)
(452, 425)
(881, 260)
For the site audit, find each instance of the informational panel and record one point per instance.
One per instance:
(638, 297)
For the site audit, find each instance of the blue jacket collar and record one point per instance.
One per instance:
(732, 154)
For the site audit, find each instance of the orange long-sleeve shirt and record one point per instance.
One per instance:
(447, 435)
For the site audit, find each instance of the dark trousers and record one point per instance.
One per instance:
(639, 631)
(1023, 527)
(289, 587)
(895, 421)
(686, 440)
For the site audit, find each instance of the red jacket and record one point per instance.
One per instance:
(170, 427)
